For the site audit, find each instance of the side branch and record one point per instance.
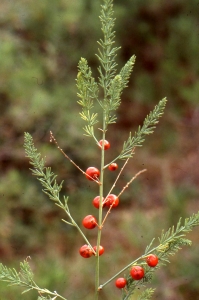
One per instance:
(124, 188)
(133, 178)
(52, 138)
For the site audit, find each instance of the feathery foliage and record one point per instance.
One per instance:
(44, 174)
(47, 180)
(147, 294)
(24, 278)
(169, 243)
(107, 53)
(88, 90)
(147, 128)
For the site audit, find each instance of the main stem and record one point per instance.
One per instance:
(97, 270)
(106, 58)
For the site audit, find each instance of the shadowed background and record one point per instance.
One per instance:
(41, 44)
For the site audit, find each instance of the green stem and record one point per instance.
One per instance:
(99, 218)
(40, 290)
(45, 291)
(106, 51)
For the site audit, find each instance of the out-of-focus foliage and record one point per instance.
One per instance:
(41, 44)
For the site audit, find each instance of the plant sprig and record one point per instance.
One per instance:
(107, 53)
(147, 128)
(112, 85)
(118, 83)
(88, 90)
(48, 180)
(24, 278)
(169, 243)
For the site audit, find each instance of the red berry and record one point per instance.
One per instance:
(120, 283)
(89, 222)
(137, 272)
(113, 167)
(92, 173)
(96, 201)
(85, 251)
(101, 249)
(152, 260)
(106, 144)
(112, 200)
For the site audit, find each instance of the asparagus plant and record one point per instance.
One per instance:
(107, 93)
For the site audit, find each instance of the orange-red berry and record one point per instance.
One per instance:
(89, 222)
(96, 201)
(106, 144)
(92, 173)
(113, 167)
(120, 283)
(85, 251)
(152, 260)
(112, 200)
(137, 272)
(101, 249)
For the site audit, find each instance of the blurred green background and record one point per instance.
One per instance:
(41, 43)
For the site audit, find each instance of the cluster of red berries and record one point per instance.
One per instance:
(86, 251)
(112, 200)
(90, 222)
(137, 272)
(93, 173)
